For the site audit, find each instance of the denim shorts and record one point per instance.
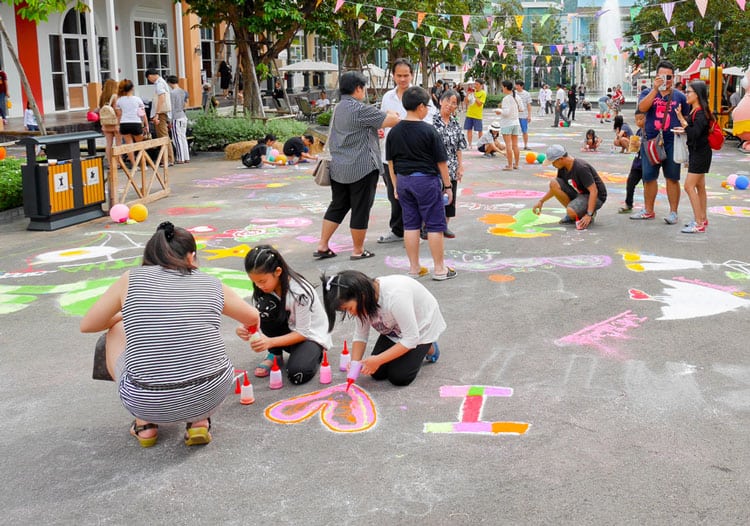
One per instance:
(473, 124)
(511, 130)
(670, 168)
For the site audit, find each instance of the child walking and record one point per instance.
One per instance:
(402, 310)
(636, 170)
(418, 165)
(292, 318)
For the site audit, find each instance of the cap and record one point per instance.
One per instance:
(554, 153)
(495, 126)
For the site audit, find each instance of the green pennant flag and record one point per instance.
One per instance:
(665, 45)
(411, 35)
(637, 39)
(357, 8)
(399, 12)
(544, 19)
(634, 12)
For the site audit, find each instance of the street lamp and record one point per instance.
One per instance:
(717, 107)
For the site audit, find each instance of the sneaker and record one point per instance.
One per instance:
(449, 274)
(643, 215)
(449, 234)
(625, 209)
(390, 237)
(671, 219)
(566, 220)
(694, 228)
(487, 155)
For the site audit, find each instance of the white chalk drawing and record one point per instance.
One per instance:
(684, 300)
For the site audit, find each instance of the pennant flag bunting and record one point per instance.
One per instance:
(420, 17)
(519, 21)
(339, 3)
(361, 22)
(490, 21)
(741, 3)
(655, 34)
(357, 9)
(466, 19)
(378, 12)
(618, 43)
(396, 20)
(637, 39)
(690, 25)
(702, 5)
(544, 19)
(500, 48)
(668, 9)
(634, 11)
(682, 44)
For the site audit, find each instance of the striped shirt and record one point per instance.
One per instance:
(175, 365)
(354, 145)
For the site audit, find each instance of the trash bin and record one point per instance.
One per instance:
(67, 189)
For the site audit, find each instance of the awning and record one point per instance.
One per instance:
(310, 65)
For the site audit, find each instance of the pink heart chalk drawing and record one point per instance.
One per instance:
(636, 294)
(340, 411)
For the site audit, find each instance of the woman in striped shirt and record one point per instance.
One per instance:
(163, 344)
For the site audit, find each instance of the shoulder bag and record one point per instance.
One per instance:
(322, 171)
(655, 152)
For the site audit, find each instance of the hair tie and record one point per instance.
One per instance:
(168, 228)
(328, 283)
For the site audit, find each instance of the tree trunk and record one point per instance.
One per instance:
(24, 79)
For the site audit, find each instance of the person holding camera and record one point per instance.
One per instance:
(661, 105)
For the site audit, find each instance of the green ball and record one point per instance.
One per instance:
(540, 157)
(566, 124)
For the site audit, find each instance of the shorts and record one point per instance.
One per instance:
(131, 128)
(670, 168)
(357, 197)
(482, 148)
(511, 130)
(524, 125)
(473, 124)
(579, 203)
(603, 107)
(421, 198)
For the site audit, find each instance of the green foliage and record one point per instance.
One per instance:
(212, 132)
(11, 189)
(263, 71)
(39, 10)
(324, 119)
(493, 101)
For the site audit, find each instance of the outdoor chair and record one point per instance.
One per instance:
(306, 109)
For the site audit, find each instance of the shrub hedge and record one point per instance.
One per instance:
(212, 132)
(11, 189)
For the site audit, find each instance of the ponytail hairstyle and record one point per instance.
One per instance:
(169, 247)
(701, 91)
(264, 259)
(509, 86)
(349, 285)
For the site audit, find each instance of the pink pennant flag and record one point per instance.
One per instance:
(378, 12)
(593, 60)
(393, 33)
(682, 44)
(339, 3)
(549, 68)
(500, 48)
(449, 32)
(396, 20)
(618, 43)
(668, 9)
(702, 5)
(483, 61)
(427, 41)
(491, 20)
(560, 49)
(467, 36)
(466, 19)
(741, 3)
(570, 48)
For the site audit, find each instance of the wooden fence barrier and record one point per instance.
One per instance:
(143, 180)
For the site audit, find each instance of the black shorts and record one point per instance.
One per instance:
(131, 128)
(357, 197)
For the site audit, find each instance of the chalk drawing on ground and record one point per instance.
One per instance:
(601, 333)
(685, 300)
(470, 414)
(340, 411)
(525, 224)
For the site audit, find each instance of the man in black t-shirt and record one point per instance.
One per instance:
(296, 149)
(577, 187)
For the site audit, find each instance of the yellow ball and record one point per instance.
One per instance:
(281, 158)
(138, 213)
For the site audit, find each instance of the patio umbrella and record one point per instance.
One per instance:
(375, 71)
(310, 65)
(734, 71)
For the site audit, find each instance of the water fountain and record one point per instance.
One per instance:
(611, 70)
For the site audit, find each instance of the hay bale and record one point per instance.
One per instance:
(235, 151)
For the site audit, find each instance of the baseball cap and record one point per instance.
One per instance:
(554, 153)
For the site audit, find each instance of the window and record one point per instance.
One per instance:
(323, 53)
(103, 58)
(151, 49)
(297, 48)
(207, 52)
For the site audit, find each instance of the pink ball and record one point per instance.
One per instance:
(275, 152)
(732, 179)
(119, 213)
(92, 116)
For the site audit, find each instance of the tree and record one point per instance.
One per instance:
(35, 11)
(263, 29)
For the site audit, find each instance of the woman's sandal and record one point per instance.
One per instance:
(435, 355)
(264, 368)
(197, 436)
(135, 431)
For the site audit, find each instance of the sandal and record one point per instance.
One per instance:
(450, 273)
(263, 369)
(328, 253)
(197, 436)
(422, 272)
(135, 429)
(435, 355)
(364, 255)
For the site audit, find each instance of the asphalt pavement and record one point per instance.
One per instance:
(586, 377)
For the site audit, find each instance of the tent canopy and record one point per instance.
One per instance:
(734, 71)
(310, 65)
(375, 71)
(695, 67)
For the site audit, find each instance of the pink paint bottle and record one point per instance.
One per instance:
(354, 368)
(275, 377)
(325, 370)
(247, 396)
(344, 358)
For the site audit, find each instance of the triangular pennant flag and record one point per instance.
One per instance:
(500, 48)
(476, 52)
(618, 43)
(410, 36)
(665, 45)
(393, 33)
(505, 54)
(560, 49)
(376, 27)
(570, 48)
(357, 8)
(544, 19)
(466, 19)
(427, 41)
(461, 46)
(519, 57)
(467, 36)
(519, 21)
(741, 3)
(637, 39)
(432, 29)
(450, 45)
(657, 50)
(414, 25)
(396, 20)
(483, 62)
(674, 47)
(480, 47)
(674, 30)
(420, 17)
(378, 12)
(682, 44)
(562, 59)
(548, 58)
(537, 48)
(690, 25)
(702, 5)
(594, 58)
(449, 32)
(536, 69)
(667, 9)
(360, 22)
(634, 12)
(655, 34)
(490, 21)
(339, 3)
(399, 12)
(549, 68)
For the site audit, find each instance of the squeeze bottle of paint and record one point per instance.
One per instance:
(237, 388)
(325, 370)
(353, 374)
(247, 396)
(344, 358)
(254, 334)
(275, 378)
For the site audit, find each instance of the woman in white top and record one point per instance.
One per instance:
(510, 125)
(132, 114)
(292, 318)
(401, 309)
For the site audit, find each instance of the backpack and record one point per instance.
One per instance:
(715, 135)
(253, 157)
(107, 115)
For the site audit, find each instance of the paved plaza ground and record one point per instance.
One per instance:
(608, 365)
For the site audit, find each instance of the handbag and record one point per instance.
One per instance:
(680, 152)
(100, 371)
(655, 152)
(322, 171)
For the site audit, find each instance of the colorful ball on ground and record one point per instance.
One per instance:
(271, 158)
(531, 158)
(731, 179)
(3, 152)
(281, 158)
(598, 115)
(742, 182)
(561, 124)
(119, 213)
(274, 152)
(566, 124)
(540, 158)
(138, 212)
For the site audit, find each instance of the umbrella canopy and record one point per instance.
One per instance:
(310, 65)
(734, 71)
(374, 70)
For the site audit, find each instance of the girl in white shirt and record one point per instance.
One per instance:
(510, 125)
(401, 309)
(292, 318)
(131, 113)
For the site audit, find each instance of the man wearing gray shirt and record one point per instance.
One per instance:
(178, 98)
